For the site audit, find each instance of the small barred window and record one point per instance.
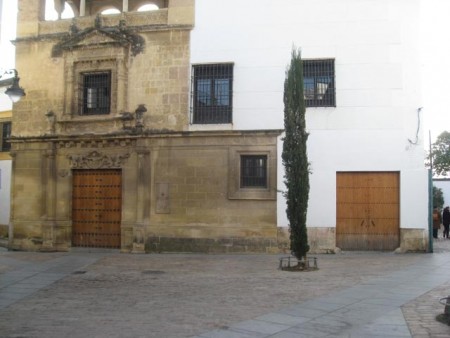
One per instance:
(254, 171)
(318, 82)
(5, 135)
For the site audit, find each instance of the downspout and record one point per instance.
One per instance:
(430, 211)
(430, 199)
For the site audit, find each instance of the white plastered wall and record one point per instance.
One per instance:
(374, 126)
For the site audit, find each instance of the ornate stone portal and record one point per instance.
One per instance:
(96, 160)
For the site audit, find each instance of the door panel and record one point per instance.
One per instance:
(367, 211)
(96, 208)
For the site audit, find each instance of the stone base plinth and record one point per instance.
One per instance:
(211, 245)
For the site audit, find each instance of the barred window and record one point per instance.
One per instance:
(211, 101)
(253, 171)
(318, 81)
(5, 135)
(95, 96)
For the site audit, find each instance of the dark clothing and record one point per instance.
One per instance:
(446, 221)
(446, 230)
(436, 222)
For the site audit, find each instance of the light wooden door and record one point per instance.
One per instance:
(96, 208)
(368, 209)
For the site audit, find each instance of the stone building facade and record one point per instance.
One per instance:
(162, 130)
(102, 153)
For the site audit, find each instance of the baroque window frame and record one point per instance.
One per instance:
(76, 66)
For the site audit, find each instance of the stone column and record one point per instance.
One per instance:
(59, 7)
(82, 7)
(11, 215)
(49, 198)
(30, 12)
(125, 6)
(142, 200)
(181, 12)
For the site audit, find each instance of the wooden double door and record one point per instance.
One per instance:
(96, 208)
(368, 210)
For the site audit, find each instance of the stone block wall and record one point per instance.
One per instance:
(175, 192)
(413, 240)
(158, 79)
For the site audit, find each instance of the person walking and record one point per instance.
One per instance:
(436, 221)
(446, 220)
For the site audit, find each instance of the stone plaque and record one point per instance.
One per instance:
(162, 198)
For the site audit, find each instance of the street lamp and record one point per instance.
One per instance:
(15, 92)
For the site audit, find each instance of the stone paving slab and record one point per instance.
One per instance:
(107, 294)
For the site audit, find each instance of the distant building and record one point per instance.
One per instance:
(162, 130)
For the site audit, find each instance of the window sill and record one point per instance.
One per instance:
(252, 194)
(201, 127)
(89, 118)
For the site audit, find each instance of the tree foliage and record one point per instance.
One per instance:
(440, 154)
(295, 159)
(438, 198)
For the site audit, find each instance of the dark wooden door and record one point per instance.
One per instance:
(96, 208)
(368, 211)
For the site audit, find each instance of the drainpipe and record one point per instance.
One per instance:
(430, 199)
(430, 211)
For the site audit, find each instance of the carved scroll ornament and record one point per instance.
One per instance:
(95, 160)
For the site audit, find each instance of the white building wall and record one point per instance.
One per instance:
(5, 102)
(374, 126)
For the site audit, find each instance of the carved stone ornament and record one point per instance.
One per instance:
(95, 160)
(100, 36)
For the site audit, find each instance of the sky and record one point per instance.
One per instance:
(434, 49)
(8, 33)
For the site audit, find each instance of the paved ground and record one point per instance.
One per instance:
(108, 294)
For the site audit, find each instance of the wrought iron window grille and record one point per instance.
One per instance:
(212, 93)
(6, 134)
(319, 83)
(253, 171)
(95, 93)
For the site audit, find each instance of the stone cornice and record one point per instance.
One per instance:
(135, 29)
(120, 137)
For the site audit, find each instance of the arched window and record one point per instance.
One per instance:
(148, 7)
(109, 11)
(51, 14)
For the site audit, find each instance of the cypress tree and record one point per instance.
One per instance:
(295, 158)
